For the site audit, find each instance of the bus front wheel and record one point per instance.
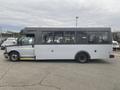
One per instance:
(82, 58)
(14, 56)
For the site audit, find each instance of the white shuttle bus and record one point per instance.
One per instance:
(81, 44)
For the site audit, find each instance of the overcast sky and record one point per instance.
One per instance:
(60, 13)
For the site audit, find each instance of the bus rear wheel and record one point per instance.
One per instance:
(14, 56)
(82, 58)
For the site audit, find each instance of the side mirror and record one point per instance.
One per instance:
(32, 45)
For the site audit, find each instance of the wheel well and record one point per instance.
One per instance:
(82, 52)
(13, 51)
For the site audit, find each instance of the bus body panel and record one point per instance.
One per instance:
(24, 51)
(69, 51)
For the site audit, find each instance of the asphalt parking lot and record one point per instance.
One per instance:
(60, 75)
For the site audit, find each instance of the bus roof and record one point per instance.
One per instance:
(35, 29)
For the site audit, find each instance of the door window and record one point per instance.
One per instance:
(26, 40)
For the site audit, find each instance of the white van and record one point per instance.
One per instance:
(115, 45)
(81, 44)
(8, 42)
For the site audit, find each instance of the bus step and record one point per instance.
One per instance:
(26, 58)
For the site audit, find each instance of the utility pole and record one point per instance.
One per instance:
(1, 33)
(77, 21)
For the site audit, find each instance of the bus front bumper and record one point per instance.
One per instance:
(2, 48)
(6, 55)
(111, 56)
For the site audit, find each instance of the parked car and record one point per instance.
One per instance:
(2, 40)
(8, 42)
(115, 45)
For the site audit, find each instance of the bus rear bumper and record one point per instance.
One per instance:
(111, 56)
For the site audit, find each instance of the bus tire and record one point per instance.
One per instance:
(82, 57)
(14, 56)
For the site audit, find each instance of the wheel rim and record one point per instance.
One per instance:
(14, 57)
(82, 58)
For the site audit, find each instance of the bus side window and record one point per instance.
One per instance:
(82, 37)
(58, 37)
(69, 37)
(91, 37)
(47, 37)
(98, 38)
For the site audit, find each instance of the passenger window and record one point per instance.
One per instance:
(82, 37)
(47, 37)
(69, 37)
(58, 37)
(92, 39)
(98, 37)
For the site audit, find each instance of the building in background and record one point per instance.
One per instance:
(7, 34)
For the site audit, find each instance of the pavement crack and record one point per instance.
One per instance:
(5, 72)
(41, 82)
(17, 85)
(51, 86)
(31, 85)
